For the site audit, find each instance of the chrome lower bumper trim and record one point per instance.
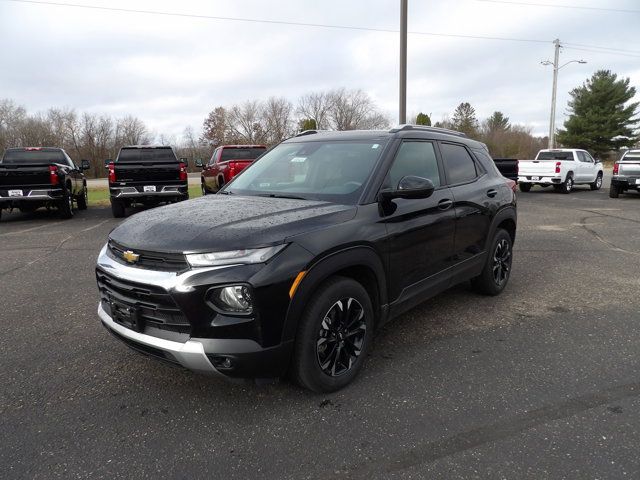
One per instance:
(32, 195)
(132, 192)
(190, 354)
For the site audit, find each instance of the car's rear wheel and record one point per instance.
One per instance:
(83, 199)
(614, 191)
(566, 186)
(597, 183)
(334, 335)
(524, 187)
(65, 205)
(497, 268)
(118, 208)
(204, 189)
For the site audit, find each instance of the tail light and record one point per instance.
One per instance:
(183, 172)
(558, 167)
(512, 185)
(112, 172)
(232, 169)
(53, 175)
(616, 168)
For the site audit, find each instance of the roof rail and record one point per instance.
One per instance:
(307, 132)
(426, 128)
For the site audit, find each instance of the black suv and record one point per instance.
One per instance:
(147, 175)
(296, 262)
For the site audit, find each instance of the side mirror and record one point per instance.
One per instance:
(85, 165)
(107, 162)
(198, 163)
(410, 186)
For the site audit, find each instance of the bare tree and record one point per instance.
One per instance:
(354, 110)
(315, 106)
(277, 120)
(11, 118)
(245, 122)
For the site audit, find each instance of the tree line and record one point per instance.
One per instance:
(602, 118)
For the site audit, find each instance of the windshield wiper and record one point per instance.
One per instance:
(280, 195)
(225, 192)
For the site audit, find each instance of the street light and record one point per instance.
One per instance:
(552, 122)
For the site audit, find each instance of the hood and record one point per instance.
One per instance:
(226, 222)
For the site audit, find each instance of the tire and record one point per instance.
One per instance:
(497, 268)
(524, 187)
(567, 185)
(65, 206)
(614, 191)
(83, 199)
(204, 189)
(315, 368)
(118, 208)
(597, 183)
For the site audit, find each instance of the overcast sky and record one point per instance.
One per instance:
(170, 71)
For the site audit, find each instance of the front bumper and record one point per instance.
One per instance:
(196, 336)
(539, 180)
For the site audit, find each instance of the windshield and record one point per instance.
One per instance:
(333, 171)
(241, 153)
(555, 156)
(138, 155)
(34, 156)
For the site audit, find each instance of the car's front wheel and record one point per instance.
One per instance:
(497, 268)
(334, 335)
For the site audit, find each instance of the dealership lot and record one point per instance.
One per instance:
(539, 382)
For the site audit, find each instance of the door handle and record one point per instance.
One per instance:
(492, 193)
(445, 204)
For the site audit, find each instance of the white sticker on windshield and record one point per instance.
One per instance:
(298, 159)
(375, 145)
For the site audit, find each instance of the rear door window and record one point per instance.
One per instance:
(458, 164)
(241, 153)
(146, 155)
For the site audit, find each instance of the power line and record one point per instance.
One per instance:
(602, 48)
(572, 7)
(276, 22)
(600, 51)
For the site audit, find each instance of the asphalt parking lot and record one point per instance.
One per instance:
(540, 382)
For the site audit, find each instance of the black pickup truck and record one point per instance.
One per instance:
(146, 175)
(34, 177)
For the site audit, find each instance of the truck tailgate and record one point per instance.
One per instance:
(631, 169)
(538, 168)
(147, 173)
(24, 175)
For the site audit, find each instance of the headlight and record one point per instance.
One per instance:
(232, 299)
(233, 257)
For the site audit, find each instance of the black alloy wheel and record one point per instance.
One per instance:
(501, 262)
(497, 268)
(335, 333)
(341, 337)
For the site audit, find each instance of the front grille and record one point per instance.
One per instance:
(153, 306)
(166, 262)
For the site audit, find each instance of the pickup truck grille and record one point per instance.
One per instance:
(153, 306)
(166, 262)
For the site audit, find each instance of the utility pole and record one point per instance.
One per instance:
(403, 61)
(552, 122)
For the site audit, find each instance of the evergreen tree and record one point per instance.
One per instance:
(601, 116)
(497, 122)
(423, 119)
(464, 119)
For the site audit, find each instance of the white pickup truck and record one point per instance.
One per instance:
(563, 168)
(626, 174)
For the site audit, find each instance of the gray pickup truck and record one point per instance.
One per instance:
(626, 174)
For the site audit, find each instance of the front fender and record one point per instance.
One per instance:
(324, 267)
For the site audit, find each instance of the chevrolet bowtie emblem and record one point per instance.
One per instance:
(130, 257)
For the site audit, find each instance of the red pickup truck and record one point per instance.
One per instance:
(225, 163)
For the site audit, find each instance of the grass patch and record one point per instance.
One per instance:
(99, 197)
